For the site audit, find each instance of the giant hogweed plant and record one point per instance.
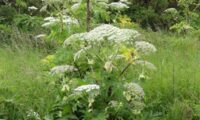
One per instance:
(92, 70)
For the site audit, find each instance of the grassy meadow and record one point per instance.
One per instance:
(23, 83)
(172, 91)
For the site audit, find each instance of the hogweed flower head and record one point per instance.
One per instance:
(32, 8)
(106, 32)
(87, 88)
(118, 6)
(145, 48)
(49, 21)
(133, 92)
(63, 69)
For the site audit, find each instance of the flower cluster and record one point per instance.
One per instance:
(87, 88)
(63, 69)
(171, 11)
(49, 21)
(118, 6)
(32, 8)
(133, 92)
(106, 32)
(145, 48)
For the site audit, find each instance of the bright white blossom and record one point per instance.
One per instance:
(49, 18)
(118, 6)
(49, 21)
(87, 88)
(171, 11)
(69, 20)
(62, 69)
(144, 48)
(146, 64)
(105, 32)
(32, 8)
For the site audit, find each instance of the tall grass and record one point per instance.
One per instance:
(24, 86)
(173, 93)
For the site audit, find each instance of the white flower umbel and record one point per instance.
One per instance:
(49, 18)
(111, 33)
(171, 11)
(49, 21)
(32, 8)
(118, 6)
(146, 64)
(87, 88)
(69, 20)
(105, 32)
(133, 92)
(145, 48)
(63, 69)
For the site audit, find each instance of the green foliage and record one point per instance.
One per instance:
(7, 14)
(181, 27)
(10, 111)
(27, 22)
(21, 3)
(24, 87)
